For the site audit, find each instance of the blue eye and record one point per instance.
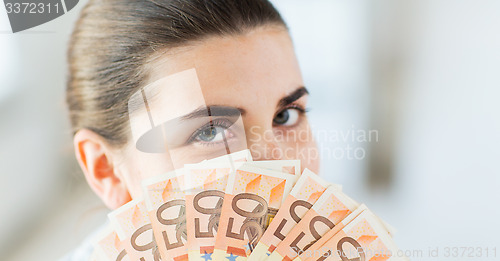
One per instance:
(287, 117)
(210, 134)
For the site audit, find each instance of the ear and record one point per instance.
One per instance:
(94, 156)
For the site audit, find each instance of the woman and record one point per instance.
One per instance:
(238, 51)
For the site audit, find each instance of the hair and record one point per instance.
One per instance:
(113, 40)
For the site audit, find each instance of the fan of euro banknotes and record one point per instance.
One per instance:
(232, 208)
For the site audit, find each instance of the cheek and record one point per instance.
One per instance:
(299, 143)
(308, 154)
(138, 166)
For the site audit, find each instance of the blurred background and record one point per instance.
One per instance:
(423, 75)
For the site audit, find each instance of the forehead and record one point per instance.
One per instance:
(236, 70)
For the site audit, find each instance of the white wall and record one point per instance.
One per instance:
(432, 70)
(38, 180)
(449, 127)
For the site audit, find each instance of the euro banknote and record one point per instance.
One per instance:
(165, 197)
(233, 208)
(166, 208)
(363, 238)
(304, 194)
(317, 246)
(108, 246)
(253, 196)
(330, 209)
(204, 198)
(133, 227)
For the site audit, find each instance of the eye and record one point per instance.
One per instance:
(287, 117)
(210, 134)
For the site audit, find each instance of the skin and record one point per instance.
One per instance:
(252, 72)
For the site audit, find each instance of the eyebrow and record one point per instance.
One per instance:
(215, 110)
(218, 110)
(297, 94)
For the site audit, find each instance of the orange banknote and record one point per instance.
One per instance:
(329, 209)
(165, 201)
(287, 166)
(166, 208)
(364, 238)
(206, 184)
(253, 197)
(317, 246)
(304, 194)
(107, 246)
(133, 228)
(204, 198)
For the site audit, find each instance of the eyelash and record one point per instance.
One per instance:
(225, 124)
(298, 107)
(302, 111)
(215, 123)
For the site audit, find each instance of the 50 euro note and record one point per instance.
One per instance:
(206, 184)
(204, 198)
(253, 197)
(304, 194)
(329, 210)
(166, 208)
(363, 238)
(108, 246)
(166, 205)
(316, 248)
(134, 229)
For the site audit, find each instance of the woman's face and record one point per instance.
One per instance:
(255, 74)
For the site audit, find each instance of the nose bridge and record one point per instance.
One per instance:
(263, 144)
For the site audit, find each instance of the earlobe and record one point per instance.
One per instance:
(93, 155)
